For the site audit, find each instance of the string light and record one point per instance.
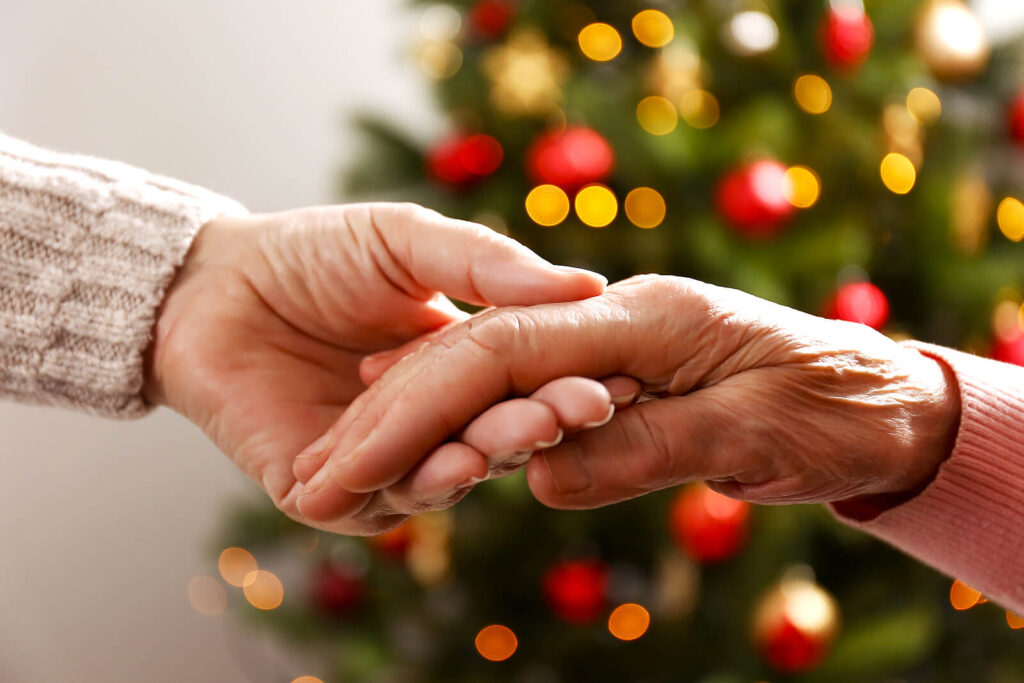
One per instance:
(898, 173)
(547, 205)
(813, 94)
(596, 206)
(699, 108)
(803, 188)
(653, 28)
(496, 642)
(600, 42)
(236, 565)
(629, 621)
(1010, 217)
(962, 596)
(657, 115)
(645, 208)
(924, 105)
(207, 595)
(263, 590)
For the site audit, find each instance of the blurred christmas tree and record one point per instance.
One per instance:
(853, 161)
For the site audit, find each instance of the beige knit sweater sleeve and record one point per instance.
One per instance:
(87, 250)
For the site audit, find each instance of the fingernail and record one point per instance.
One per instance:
(542, 445)
(624, 400)
(575, 271)
(606, 420)
(324, 443)
(568, 472)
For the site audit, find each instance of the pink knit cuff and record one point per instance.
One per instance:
(969, 522)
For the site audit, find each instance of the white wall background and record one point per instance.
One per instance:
(104, 523)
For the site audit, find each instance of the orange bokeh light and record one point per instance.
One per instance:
(235, 564)
(629, 621)
(263, 590)
(496, 642)
(962, 596)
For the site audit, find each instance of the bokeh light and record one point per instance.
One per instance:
(629, 621)
(547, 205)
(813, 94)
(207, 595)
(653, 28)
(440, 60)
(235, 565)
(657, 115)
(1014, 621)
(440, 22)
(1010, 217)
(924, 105)
(307, 679)
(496, 642)
(1006, 320)
(803, 188)
(263, 590)
(645, 207)
(751, 33)
(600, 42)
(898, 173)
(596, 206)
(962, 596)
(699, 108)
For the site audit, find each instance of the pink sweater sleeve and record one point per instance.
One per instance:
(969, 521)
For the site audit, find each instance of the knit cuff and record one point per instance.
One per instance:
(87, 250)
(968, 521)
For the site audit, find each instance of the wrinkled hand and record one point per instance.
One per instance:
(768, 404)
(260, 338)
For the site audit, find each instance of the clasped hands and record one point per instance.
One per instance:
(318, 349)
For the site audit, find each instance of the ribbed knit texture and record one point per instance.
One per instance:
(87, 250)
(969, 522)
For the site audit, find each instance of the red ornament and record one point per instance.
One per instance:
(847, 36)
(753, 198)
(570, 158)
(464, 160)
(794, 626)
(1017, 118)
(337, 589)
(490, 18)
(710, 527)
(576, 590)
(1009, 350)
(393, 544)
(859, 302)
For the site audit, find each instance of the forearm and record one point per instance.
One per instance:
(87, 249)
(968, 521)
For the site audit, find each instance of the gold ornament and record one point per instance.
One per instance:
(972, 209)
(951, 40)
(526, 75)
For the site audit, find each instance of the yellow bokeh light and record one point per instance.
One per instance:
(600, 42)
(962, 596)
(596, 206)
(207, 595)
(629, 621)
(1006, 320)
(441, 60)
(803, 188)
(263, 590)
(898, 173)
(657, 115)
(699, 108)
(813, 94)
(645, 207)
(547, 205)
(496, 642)
(924, 105)
(653, 28)
(235, 565)
(1010, 217)
(307, 679)
(1014, 621)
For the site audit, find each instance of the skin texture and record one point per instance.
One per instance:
(260, 339)
(768, 404)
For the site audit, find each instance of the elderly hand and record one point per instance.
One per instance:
(769, 404)
(260, 338)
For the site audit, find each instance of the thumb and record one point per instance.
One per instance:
(473, 263)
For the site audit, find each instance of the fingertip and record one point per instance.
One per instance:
(578, 402)
(330, 502)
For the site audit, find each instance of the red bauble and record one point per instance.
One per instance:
(753, 198)
(847, 36)
(570, 158)
(490, 18)
(1017, 118)
(393, 544)
(859, 302)
(710, 527)
(1010, 350)
(464, 160)
(576, 590)
(337, 589)
(794, 626)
